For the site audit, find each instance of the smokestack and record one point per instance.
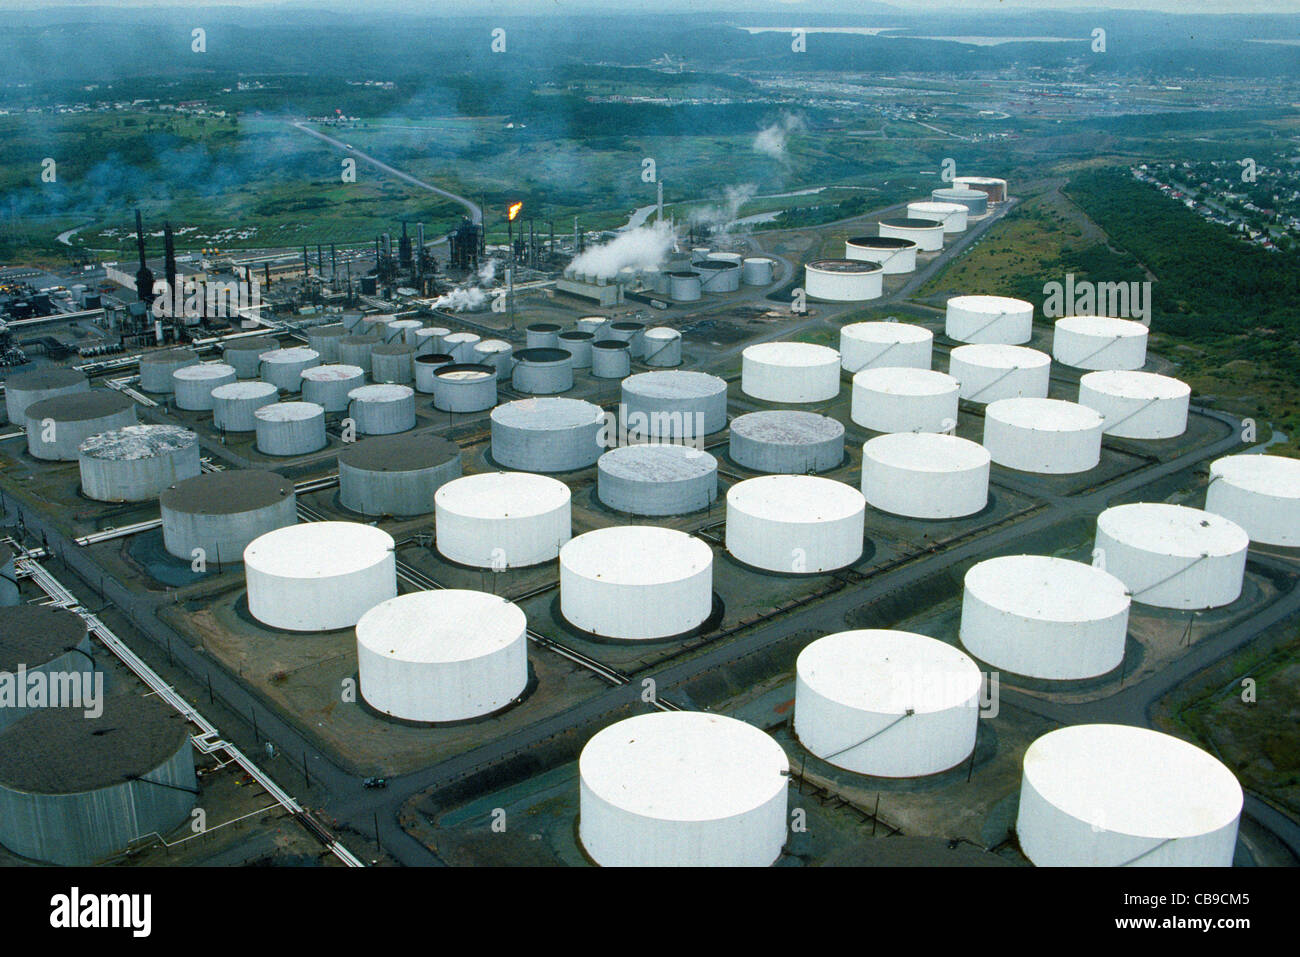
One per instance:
(306, 265)
(266, 274)
(169, 254)
(320, 261)
(334, 263)
(143, 275)
(660, 204)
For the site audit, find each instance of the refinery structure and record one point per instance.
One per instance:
(667, 559)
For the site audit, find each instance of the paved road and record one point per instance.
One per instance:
(474, 210)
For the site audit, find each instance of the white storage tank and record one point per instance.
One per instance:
(757, 271)
(633, 333)
(547, 434)
(502, 520)
(988, 372)
(402, 330)
(951, 215)
(245, 355)
(786, 441)
(382, 409)
(234, 405)
(57, 426)
(221, 512)
(135, 463)
(28, 387)
(925, 475)
(610, 359)
(1261, 493)
(542, 335)
(319, 576)
(717, 275)
(682, 789)
(983, 319)
(156, 368)
(636, 582)
(1109, 795)
(1137, 405)
(926, 233)
(657, 479)
(426, 368)
(1172, 556)
(1099, 342)
(461, 345)
(890, 399)
(392, 363)
(976, 201)
(283, 368)
(496, 353)
(684, 285)
(290, 428)
(329, 385)
(396, 474)
(542, 371)
(464, 387)
(790, 372)
(868, 345)
(324, 340)
(663, 347)
(577, 343)
(896, 255)
(193, 385)
(844, 280)
(598, 326)
(445, 655)
(1045, 617)
(795, 524)
(892, 704)
(673, 405)
(429, 339)
(1047, 436)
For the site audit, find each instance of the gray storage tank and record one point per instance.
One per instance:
(464, 387)
(547, 435)
(975, 200)
(193, 385)
(392, 362)
(283, 368)
(290, 428)
(577, 343)
(396, 474)
(757, 271)
(43, 639)
(428, 340)
(328, 386)
(245, 355)
(325, 341)
(663, 347)
(233, 405)
(135, 463)
(496, 353)
(425, 367)
(29, 387)
(610, 359)
(56, 427)
(684, 285)
(717, 275)
(787, 442)
(542, 335)
(461, 345)
(355, 350)
(75, 791)
(221, 512)
(633, 333)
(156, 368)
(657, 479)
(382, 409)
(542, 371)
(675, 405)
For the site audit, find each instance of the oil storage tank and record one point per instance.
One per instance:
(1044, 617)
(193, 385)
(392, 362)
(889, 399)
(1137, 405)
(926, 233)
(29, 387)
(892, 704)
(356, 350)
(1109, 795)
(1261, 493)
(795, 524)
(976, 201)
(41, 645)
(895, 255)
(786, 441)
(657, 479)
(547, 434)
(8, 577)
(426, 367)
(542, 335)
(156, 368)
(329, 385)
(673, 405)
(925, 475)
(402, 330)
(135, 463)
(633, 333)
(988, 372)
(319, 576)
(382, 409)
(951, 215)
(283, 368)
(73, 791)
(244, 355)
(496, 353)
(610, 359)
(844, 280)
(446, 655)
(682, 789)
(56, 427)
(577, 343)
(461, 345)
(324, 340)
(868, 345)
(1047, 436)
(790, 372)
(757, 271)
(502, 520)
(1099, 342)
(396, 474)
(636, 582)
(663, 347)
(462, 387)
(290, 428)
(221, 512)
(542, 371)
(984, 319)
(234, 405)
(429, 339)
(1173, 556)
(717, 275)
(684, 285)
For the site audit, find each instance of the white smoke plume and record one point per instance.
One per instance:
(721, 216)
(641, 248)
(487, 272)
(461, 298)
(771, 140)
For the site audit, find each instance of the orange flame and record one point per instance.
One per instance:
(514, 211)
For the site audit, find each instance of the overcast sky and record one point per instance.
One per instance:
(435, 7)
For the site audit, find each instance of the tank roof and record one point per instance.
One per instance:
(657, 463)
(545, 413)
(787, 427)
(32, 635)
(1045, 588)
(44, 379)
(138, 442)
(399, 453)
(441, 626)
(79, 406)
(674, 383)
(226, 493)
